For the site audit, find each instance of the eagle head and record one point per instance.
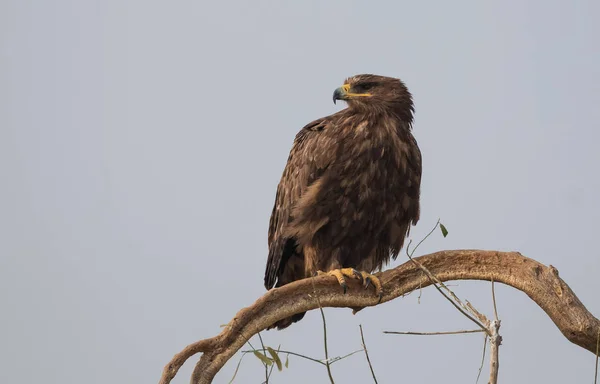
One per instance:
(373, 92)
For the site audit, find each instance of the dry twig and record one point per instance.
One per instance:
(597, 352)
(494, 301)
(322, 362)
(435, 333)
(495, 341)
(263, 363)
(362, 337)
(327, 363)
(482, 358)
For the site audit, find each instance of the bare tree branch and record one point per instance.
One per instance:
(495, 341)
(541, 283)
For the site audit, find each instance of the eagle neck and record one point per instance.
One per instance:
(377, 114)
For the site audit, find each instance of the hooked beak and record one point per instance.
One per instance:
(341, 93)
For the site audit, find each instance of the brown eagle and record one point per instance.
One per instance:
(350, 189)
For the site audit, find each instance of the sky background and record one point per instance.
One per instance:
(141, 143)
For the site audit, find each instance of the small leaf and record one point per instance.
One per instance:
(287, 361)
(444, 230)
(263, 358)
(237, 368)
(276, 358)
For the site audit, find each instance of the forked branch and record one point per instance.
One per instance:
(541, 283)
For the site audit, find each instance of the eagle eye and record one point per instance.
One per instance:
(363, 87)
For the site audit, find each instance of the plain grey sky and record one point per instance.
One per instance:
(141, 143)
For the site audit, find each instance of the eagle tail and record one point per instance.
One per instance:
(284, 323)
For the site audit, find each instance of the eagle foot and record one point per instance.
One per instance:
(341, 274)
(365, 278)
(373, 280)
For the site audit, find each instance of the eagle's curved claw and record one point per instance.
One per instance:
(373, 280)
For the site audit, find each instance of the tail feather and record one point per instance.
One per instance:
(284, 323)
(291, 269)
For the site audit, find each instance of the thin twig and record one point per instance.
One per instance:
(237, 368)
(250, 344)
(494, 300)
(293, 354)
(336, 359)
(322, 362)
(482, 318)
(266, 366)
(435, 333)
(362, 337)
(597, 353)
(422, 240)
(241, 358)
(327, 364)
(482, 358)
(420, 292)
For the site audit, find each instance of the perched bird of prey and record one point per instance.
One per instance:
(350, 189)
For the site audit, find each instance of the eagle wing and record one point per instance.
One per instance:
(311, 154)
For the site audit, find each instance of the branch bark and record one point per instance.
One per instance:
(495, 341)
(541, 283)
